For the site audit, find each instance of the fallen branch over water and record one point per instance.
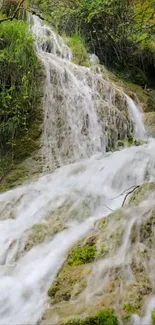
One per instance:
(108, 208)
(123, 192)
(130, 192)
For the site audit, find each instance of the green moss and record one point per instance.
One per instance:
(149, 121)
(81, 255)
(147, 229)
(15, 177)
(130, 142)
(130, 138)
(79, 50)
(151, 102)
(70, 282)
(103, 223)
(102, 252)
(139, 194)
(136, 293)
(129, 309)
(153, 317)
(104, 317)
(38, 234)
(131, 89)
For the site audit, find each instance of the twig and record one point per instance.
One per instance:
(129, 194)
(108, 207)
(123, 192)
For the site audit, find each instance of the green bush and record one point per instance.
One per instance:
(104, 317)
(20, 84)
(81, 255)
(79, 50)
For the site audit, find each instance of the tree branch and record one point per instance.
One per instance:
(14, 14)
(123, 192)
(129, 194)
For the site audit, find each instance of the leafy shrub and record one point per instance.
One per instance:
(79, 50)
(20, 84)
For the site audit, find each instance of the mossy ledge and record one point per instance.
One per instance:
(83, 287)
(103, 317)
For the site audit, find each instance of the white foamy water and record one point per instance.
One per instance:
(89, 187)
(84, 113)
(26, 277)
(137, 117)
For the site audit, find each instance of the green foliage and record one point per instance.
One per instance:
(121, 33)
(129, 309)
(81, 255)
(104, 317)
(79, 50)
(153, 317)
(20, 88)
(9, 7)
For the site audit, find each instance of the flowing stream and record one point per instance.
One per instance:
(85, 187)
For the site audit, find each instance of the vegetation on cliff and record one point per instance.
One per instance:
(121, 33)
(104, 317)
(21, 77)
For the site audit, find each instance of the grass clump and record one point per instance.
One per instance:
(153, 317)
(129, 309)
(79, 50)
(81, 255)
(70, 282)
(104, 317)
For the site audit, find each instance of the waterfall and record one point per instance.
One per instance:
(84, 113)
(86, 187)
(137, 117)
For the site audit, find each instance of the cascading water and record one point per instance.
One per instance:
(136, 115)
(73, 196)
(84, 113)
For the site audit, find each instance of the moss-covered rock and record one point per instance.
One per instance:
(151, 102)
(153, 317)
(74, 279)
(79, 50)
(149, 121)
(119, 274)
(130, 309)
(38, 234)
(81, 255)
(142, 192)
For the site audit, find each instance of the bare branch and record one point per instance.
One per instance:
(129, 194)
(14, 14)
(123, 192)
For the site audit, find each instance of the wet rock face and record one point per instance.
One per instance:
(149, 120)
(115, 272)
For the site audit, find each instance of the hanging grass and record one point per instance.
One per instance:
(21, 78)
